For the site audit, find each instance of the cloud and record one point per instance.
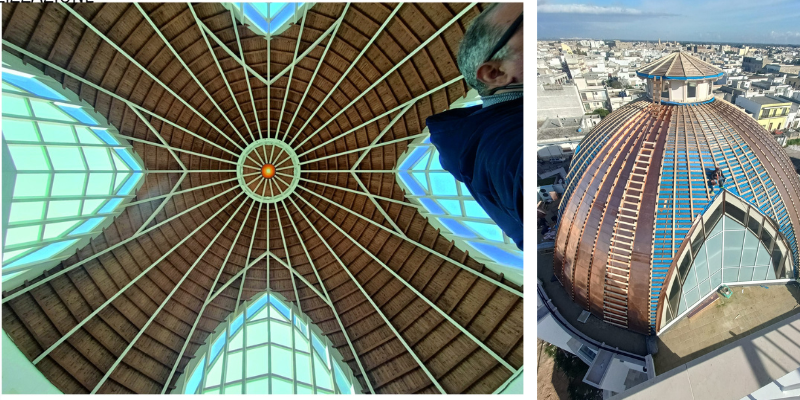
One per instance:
(785, 35)
(590, 9)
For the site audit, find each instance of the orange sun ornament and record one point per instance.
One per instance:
(268, 171)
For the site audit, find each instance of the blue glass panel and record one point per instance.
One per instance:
(129, 184)
(464, 190)
(303, 327)
(474, 209)
(275, 8)
(110, 206)
(489, 231)
(280, 306)
(427, 139)
(422, 179)
(197, 377)
(32, 85)
(413, 158)
(43, 253)
(123, 153)
(255, 17)
(105, 136)
(236, 324)
(216, 348)
(443, 184)
(411, 183)
(281, 18)
(319, 347)
(436, 163)
(498, 255)
(262, 8)
(256, 306)
(87, 226)
(457, 229)
(432, 207)
(341, 381)
(453, 207)
(422, 164)
(80, 114)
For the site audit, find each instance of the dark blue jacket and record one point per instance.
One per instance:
(482, 147)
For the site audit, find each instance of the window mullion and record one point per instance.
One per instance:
(292, 316)
(311, 357)
(244, 350)
(224, 356)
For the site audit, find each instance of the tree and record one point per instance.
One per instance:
(575, 370)
(602, 112)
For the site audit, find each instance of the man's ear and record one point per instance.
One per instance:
(492, 74)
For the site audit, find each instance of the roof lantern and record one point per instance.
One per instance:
(680, 78)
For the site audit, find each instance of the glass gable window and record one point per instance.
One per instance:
(268, 348)
(68, 173)
(269, 19)
(735, 244)
(448, 205)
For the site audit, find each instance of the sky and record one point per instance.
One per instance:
(743, 21)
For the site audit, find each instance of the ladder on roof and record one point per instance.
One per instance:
(618, 267)
(655, 109)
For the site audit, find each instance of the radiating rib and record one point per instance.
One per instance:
(378, 206)
(379, 80)
(169, 148)
(413, 289)
(110, 93)
(286, 251)
(174, 290)
(327, 296)
(352, 65)
(149, 199)
(222, 73)
(250, 249)
(207, 301)
(341, 153)
(246, 78)
(188, 70)
(124, 288)
(110, 248)
(161, 206)
(420, 245)
(289, 83)
(369, 298)
(338, 23)
(267, 82)
(146, 71)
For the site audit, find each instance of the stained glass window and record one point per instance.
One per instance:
(269, 348)
(270, 18)
(449, 205)
(69, 173)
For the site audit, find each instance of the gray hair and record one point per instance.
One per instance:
(480, 38)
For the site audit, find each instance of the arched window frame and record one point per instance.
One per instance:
(250, 312)
(262, 18)
(495, 250)
(752, 219)
(90, 134)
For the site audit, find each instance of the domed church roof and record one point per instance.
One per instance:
(641, 179)
(679, 65)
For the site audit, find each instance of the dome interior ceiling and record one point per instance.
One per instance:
(140, 299)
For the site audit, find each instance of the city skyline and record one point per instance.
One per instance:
(771, 22)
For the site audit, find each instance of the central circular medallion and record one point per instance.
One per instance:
(268, 170)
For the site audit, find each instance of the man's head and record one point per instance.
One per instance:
(487, 29)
